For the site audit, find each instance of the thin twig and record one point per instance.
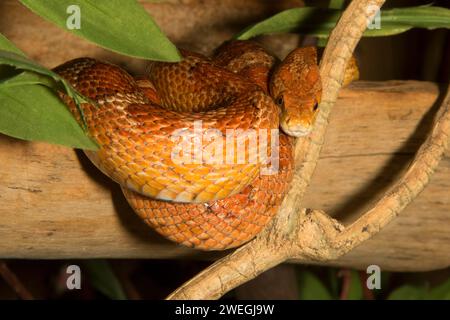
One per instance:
(346, 276)
(13, 281)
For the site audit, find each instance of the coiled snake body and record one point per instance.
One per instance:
(205, 204)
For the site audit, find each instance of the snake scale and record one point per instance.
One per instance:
(243, 88)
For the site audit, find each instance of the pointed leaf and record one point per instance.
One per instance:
(311, 288)
(408, 292)
(440, 292)
(355, 291)
(34, 112)
(320, 22)
(104, 280)
(7, 45)
(43, 117)
(117, 25)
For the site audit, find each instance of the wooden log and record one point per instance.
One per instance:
(55, 203)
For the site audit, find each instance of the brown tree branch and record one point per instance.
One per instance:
(318, 236)
(346, 275)
(292, 229)
(322, 238)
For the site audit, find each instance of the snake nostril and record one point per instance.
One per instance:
(316, 106)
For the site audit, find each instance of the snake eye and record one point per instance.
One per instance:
(316, 106)
(279, 101)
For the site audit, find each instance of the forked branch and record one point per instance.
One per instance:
(311, 235)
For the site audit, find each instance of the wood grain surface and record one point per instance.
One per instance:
(55, 204)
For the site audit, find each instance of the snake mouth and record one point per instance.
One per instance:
(296, 130)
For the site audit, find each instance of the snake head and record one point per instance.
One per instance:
(297, 89)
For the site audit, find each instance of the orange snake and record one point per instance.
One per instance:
(201, 204)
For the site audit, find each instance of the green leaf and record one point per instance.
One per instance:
(34, 112)
(117, 25)
(355, 291)
(313, 21)
(336, 4)
(7, 45)
(319, 22)
(440, 292)
(427, 17)
(54, 82)
(43, 117)
(12, 56)
(311, 288)
(385, 280)
(408, 292)
(21, 62)
(334, 282)
(29, 78)
(103, 279)
(422, 292)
